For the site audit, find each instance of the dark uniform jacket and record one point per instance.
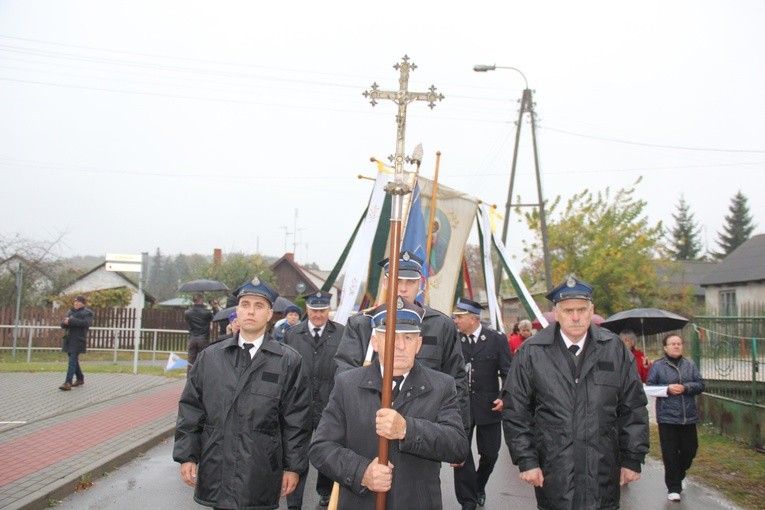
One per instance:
(318, 359)
(676, 409)
(579, 431)
(244, 423)
(76, 337)
(345, 442)
(440, 350)
(198, 317)
(486, 362)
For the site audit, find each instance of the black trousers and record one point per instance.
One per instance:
(323, 488)
(469, 481)
(679, 444)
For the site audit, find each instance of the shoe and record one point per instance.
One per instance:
(481, 498)
(324, 501)
(78, 383)
(673, 496)
(65, 387)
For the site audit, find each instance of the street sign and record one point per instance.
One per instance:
(123, 257)
(123, 267)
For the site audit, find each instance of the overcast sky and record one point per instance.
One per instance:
(189, 125)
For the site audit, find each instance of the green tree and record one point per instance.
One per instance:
(234, 270)
(685, 243)
(607, 241)
(738, 226)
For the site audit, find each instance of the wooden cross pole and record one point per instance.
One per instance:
(397, 189)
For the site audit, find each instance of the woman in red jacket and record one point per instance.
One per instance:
(643, 365)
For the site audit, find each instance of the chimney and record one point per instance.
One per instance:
(217, 256)
(290, 256)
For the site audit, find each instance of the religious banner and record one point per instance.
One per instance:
(455, 213)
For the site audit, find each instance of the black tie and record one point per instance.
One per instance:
(573, 349)
(472, 339)
(246, 352)
(316, 335)
(398, 379)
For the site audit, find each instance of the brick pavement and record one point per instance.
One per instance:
(51, 439)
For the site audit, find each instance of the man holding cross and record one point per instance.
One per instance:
(424, 425)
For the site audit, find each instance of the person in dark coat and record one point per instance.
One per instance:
(316, 339)
(424, 425)
(244, 417)
(487, 357)
(575, 416)
(198, 318)
(679, 381)
(440, 341)
(76, 323)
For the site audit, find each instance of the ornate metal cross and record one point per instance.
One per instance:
(402, 97)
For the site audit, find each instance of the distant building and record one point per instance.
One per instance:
(678, 276)
(736, 286)
(99, 278)
(293, 280)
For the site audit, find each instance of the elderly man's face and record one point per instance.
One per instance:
(466, 323)
(525, 330)
(574, 316)
(407, 346)
(318, 318)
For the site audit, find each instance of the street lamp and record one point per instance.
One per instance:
(527, 105)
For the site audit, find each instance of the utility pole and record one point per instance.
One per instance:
(527, 106)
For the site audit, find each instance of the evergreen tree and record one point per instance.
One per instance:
(685, 243)
(738, 226)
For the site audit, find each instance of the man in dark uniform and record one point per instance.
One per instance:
(575, 416)
(424, 424)
(440, 342)
(244, 418)
(487, 361)
(316, 339)
(198, 317)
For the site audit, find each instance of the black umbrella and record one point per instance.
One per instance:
(281, 304)
(648, 321)
(203, 286)
(222, 315)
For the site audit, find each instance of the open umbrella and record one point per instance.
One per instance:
(222, 315)
(281, 304)
(648, 321)
(203, 286)
(550, 316)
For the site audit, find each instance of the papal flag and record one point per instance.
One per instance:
(175, 362)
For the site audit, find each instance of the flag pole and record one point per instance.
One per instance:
(431, 220)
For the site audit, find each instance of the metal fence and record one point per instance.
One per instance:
(31, 338)
(730, 353)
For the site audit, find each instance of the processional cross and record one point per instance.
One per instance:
(402, 97)
(396, 188)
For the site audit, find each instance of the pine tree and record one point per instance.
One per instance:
(738, 226)
(685, 243)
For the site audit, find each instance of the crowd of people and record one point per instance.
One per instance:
(263, 402)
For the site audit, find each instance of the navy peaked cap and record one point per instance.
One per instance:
(572, 288)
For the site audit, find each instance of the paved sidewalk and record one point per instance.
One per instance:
(50, 439)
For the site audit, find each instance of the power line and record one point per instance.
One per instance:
(654, 145)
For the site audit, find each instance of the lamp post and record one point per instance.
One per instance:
(527, 105)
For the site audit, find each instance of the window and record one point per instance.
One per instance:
(728, 306)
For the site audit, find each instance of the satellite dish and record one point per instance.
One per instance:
(300, 287)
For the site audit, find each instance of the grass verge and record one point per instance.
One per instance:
(93, 362)
(733, 469)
